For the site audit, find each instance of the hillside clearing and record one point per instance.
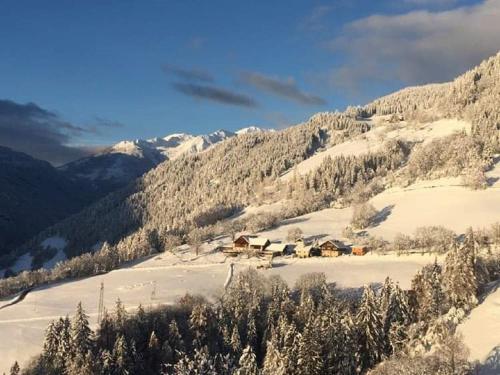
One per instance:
(373, 140)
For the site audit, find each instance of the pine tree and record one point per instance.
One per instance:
(63, 327)
(51, 342)
(121, 356)
(247, 363)
(430, 299)
(153, 354)
(459, 276)
(236, 341)
(288, 340)
(370, 330)
(385, 294)
(395, 318)
(201, 364)
(108, 362)
(309, 352)
(201, 324)
(120, 316)
(274, 363)
(15, 369)
(175, 340)
(81, 334)
(106, 335)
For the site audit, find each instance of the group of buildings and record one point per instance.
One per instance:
(301, 248)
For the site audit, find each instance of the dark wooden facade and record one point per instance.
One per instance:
(331, 248)
(359, 250)
(241, 243)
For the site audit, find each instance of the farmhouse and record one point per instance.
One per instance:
(331, 248)
(247, 242)
(359, 250)
(242, 243)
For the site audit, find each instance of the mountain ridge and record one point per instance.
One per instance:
(126, 160)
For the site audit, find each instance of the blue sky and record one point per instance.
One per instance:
(136, 69)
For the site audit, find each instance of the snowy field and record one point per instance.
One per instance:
(165, 278)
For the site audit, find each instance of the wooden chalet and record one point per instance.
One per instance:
(359, 250)
(331, 248)
(245, 243)
(242, 243)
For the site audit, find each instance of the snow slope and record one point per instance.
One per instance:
(24, 323)
(374, 139)
(436, 202)
(481, 332)
(56, 243)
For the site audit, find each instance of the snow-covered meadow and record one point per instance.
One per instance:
(164, 278)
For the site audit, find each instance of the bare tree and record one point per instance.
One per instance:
(294, 234)
(363, 215)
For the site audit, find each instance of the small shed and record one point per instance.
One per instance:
(259, 243)
(359, 250)
(331, 248)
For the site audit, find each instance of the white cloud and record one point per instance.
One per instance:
(419, 46)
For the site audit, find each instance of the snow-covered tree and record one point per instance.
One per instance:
(81, 334)
(248, 363)
(370, 330)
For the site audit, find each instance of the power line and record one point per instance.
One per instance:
(100, 310)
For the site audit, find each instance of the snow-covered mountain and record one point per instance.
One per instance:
(127, 160)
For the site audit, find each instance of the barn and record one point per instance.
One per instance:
(331, 248)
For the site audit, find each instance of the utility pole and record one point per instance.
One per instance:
(100, 310)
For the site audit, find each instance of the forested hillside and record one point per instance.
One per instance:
(33, 195)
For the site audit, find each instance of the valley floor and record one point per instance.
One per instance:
(166, 277)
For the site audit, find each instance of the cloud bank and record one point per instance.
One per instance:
(215, 94)
(283, 88)
(41, 133)
(190, 74)
(416, 47)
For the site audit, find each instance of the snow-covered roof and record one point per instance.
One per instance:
(258, 241)
(277, 247)
(336, 243)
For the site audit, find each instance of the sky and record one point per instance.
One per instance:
(76, 76)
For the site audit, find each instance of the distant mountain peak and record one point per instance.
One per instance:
(253, 129)
(129, 159)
